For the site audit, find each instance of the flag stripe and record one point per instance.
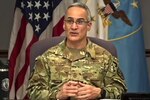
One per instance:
(16, 26)
(21, 76)
(16, 50)
(58, 29)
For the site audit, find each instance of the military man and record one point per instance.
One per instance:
(76, 68)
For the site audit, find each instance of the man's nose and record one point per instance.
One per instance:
(74, 26)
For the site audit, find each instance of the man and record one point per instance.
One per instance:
(76, 68)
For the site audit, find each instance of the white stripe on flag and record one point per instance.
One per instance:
(21, 92)
(17, 19)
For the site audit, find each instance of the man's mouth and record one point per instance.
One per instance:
(73, 33)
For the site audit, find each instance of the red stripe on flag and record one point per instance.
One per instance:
(21, 76)
(16, 50)
(58, 28)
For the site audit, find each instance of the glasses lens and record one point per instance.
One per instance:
(81, 22)
(78, 21)
(69, 21)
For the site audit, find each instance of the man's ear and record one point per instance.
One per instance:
(89, 26)
(63, 25)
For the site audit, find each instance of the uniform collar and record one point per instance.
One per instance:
(89, 50)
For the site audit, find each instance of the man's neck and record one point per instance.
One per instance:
(77, 44)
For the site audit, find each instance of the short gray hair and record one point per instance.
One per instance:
(81, 5)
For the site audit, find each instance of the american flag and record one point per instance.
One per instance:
(33, 20)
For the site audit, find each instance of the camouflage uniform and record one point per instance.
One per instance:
(92, 65)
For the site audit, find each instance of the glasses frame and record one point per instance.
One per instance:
(77, 22)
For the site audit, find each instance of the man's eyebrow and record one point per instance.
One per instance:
(69, 17)
(80, 19)
(76, 19)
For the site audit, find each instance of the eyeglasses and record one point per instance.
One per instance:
(78, 21)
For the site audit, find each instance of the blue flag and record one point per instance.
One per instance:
(129, 42)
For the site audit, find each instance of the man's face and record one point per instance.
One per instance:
(76, 24)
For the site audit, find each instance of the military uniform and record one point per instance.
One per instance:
(92, 65)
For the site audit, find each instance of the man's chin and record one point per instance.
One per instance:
(73, 38)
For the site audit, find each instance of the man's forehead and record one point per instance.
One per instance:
(76, 8)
